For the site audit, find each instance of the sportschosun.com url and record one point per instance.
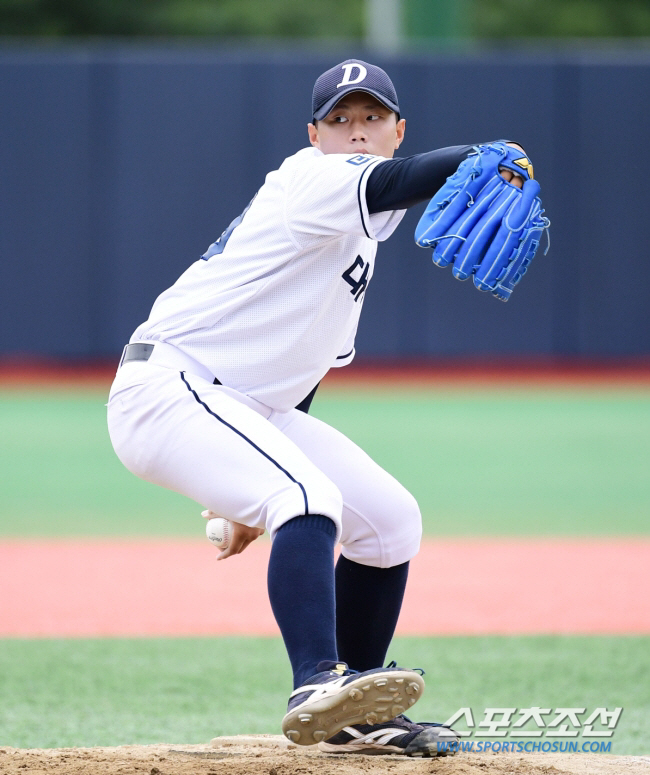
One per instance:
(507, 746)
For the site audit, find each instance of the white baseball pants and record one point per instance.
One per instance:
(257, 466)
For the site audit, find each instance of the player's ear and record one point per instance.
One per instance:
(313, 135)
(400, 127)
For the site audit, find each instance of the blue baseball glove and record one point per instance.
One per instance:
(484, 225)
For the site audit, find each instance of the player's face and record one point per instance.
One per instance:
(358, 124)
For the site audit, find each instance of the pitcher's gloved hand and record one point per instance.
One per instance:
(483, 222)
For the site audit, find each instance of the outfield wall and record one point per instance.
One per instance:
(120, 164)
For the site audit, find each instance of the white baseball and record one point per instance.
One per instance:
(218, 530)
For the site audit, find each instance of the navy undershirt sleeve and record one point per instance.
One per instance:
(400, 183)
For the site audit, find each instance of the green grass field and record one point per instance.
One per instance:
(480, 461)
(111, 692)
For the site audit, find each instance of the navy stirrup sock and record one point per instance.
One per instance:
(368, 602)
(301, 591)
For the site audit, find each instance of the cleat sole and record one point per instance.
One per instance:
(360, 702)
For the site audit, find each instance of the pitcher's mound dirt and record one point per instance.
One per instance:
(274, 755)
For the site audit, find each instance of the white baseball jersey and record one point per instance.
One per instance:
(275, 301)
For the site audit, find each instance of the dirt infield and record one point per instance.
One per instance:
(158, 588)
(272, 755)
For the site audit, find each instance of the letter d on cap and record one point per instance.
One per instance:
(347, 80)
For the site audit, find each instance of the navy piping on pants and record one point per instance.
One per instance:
(252, 443)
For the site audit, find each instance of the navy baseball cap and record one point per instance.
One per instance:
(352, 75)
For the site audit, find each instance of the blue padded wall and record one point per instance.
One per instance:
(121, 164)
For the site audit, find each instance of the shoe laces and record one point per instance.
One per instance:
(419, 670)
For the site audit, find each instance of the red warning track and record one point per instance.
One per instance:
(457, 587)
(25, 372)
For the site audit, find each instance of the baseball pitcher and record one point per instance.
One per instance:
(212, 395)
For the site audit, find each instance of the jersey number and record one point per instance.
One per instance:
(358, 285)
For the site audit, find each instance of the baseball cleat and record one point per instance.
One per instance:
(337, 697)
(399, 736)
